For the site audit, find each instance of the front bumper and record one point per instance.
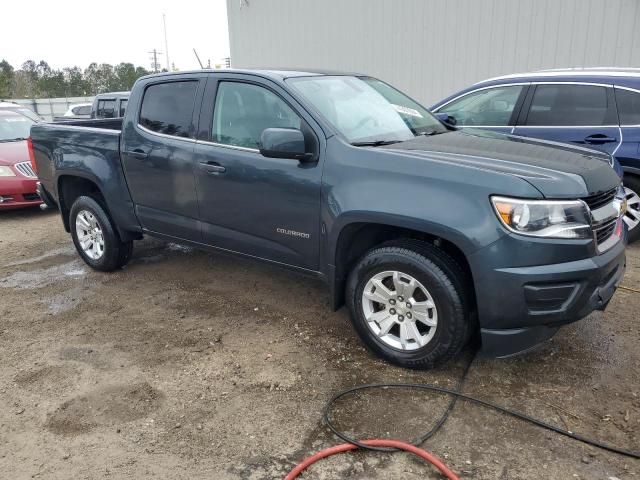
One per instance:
(523, 306)
(17, 192)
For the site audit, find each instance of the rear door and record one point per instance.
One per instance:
(251, 204)
(157, 155)
(583, 114)
(490, 108)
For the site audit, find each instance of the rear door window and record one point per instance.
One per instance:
(569, 105)
(106, 108)
(628, 107)
(167, 108)
(490, 107)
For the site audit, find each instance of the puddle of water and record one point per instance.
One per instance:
(179, 248)
(51, 253)
(44, 276)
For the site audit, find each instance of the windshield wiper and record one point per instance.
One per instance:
(375, 143)
(18, 139)
(428, 133)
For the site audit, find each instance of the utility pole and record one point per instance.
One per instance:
(198, 58)
(154, 60)
(166, 44)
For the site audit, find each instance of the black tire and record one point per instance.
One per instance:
(633, 183)
(116, 252)
(441, 276)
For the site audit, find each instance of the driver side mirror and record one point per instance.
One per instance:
(284, 143)
(445, 118)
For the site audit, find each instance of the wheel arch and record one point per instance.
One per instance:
(70, 186)
(355, 238)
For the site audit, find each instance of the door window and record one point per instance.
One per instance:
(491, 107)
(106, 108)
(167, 108)
(628, 106)
(243, 111)
(568, 105)
(123, 106)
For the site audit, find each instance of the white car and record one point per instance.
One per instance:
(79, 110)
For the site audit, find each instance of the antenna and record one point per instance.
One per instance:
(196, 53)
(166, 44)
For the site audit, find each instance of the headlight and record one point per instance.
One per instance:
(6, 172)
(544, 218)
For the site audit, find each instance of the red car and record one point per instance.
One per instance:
(18, 181)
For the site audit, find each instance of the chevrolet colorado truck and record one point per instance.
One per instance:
(429, 234)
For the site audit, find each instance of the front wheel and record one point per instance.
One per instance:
(95, 236)
(632, 215)
(407, 303)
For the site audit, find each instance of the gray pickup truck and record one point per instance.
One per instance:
(430, 235)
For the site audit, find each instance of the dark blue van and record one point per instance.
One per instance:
(593, 107)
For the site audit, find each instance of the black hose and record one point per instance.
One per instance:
(456, 394)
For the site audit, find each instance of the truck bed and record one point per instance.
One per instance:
(84, 150)
(104, 123)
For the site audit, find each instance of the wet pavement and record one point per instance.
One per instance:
(193, 365)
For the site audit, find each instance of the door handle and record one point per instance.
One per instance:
(599, 138)
(137, 153)
(213, 168)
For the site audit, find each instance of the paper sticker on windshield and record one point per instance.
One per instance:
(407, 110)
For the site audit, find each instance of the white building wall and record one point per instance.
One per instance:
(431, 48)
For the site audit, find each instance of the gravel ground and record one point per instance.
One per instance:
(193, 365)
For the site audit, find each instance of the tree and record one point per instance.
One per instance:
(38, 80)
(29, 77)
(7, 79)
(76, 84)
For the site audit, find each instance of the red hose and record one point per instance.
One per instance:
(344, 447)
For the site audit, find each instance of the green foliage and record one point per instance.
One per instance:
(39, 80)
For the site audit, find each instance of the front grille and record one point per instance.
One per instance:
(30, 196)
(600, 199)
(604, 230)
(26, 169)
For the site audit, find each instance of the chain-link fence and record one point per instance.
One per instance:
(51, 108)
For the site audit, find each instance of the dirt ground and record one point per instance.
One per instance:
(192, 365)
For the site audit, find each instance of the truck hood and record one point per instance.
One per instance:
(557, 170)
(13, 152)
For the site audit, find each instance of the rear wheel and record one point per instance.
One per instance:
(95, 236)
(632, 216)
(408, 304)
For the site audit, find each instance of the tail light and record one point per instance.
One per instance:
(32, 155)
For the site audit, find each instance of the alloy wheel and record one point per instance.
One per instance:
(399, 310)
(89, 234)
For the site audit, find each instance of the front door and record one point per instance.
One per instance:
(571, 113)
(157, 156)
(251, 204)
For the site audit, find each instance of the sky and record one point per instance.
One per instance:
(68, 33)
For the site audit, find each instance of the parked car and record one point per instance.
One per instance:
(428, 233)
(22, 110)
(17, 178)
(79, 110)
(593, 107)
(109, 105)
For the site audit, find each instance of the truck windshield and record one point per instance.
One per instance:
(14, 127)
(367, 111)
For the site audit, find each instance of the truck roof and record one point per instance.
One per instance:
(274, 73)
